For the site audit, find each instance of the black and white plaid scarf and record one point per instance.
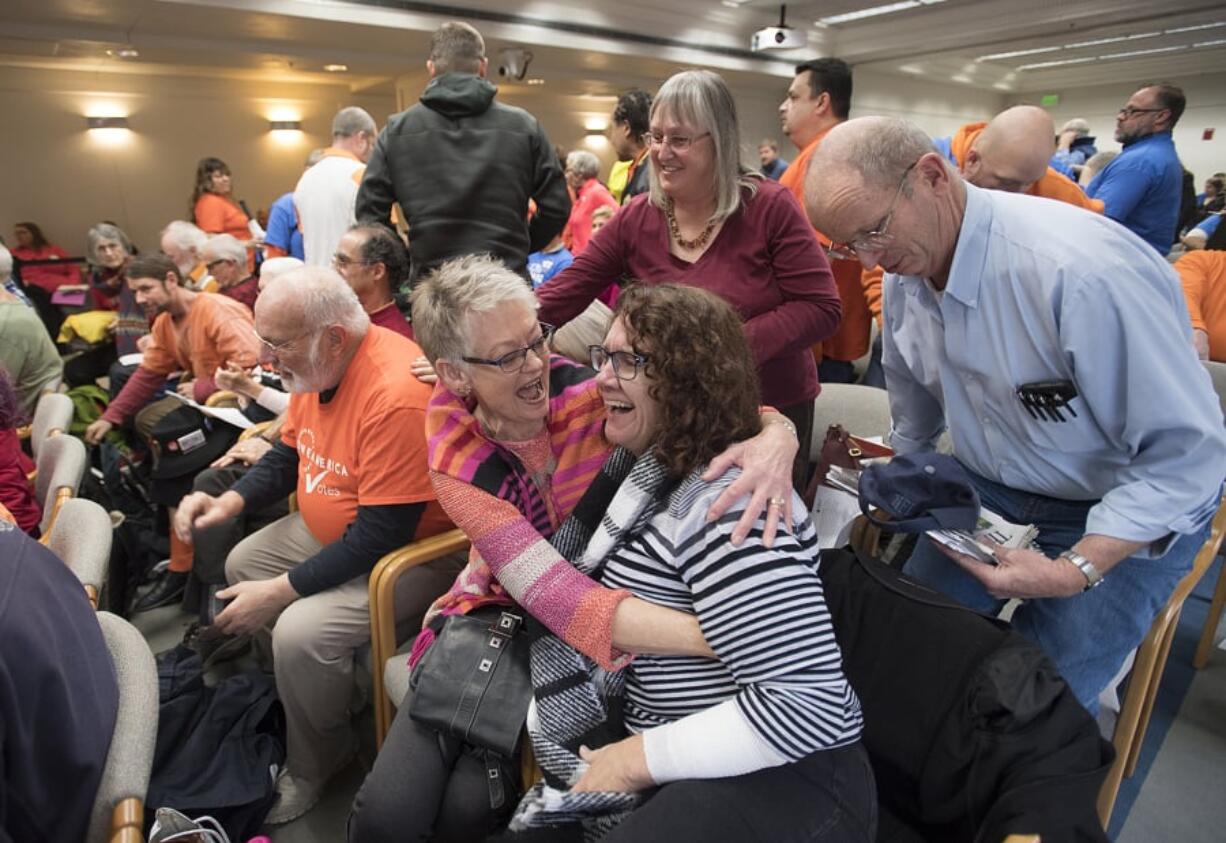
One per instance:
(575, 702)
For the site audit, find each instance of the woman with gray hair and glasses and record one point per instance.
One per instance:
(517, 435)
(709, 222)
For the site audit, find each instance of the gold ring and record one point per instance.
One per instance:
(779, 502)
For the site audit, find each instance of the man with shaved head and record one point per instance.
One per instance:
(1069, 387)
(353, 448)
(1012, 152)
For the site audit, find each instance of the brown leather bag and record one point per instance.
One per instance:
(844, 450)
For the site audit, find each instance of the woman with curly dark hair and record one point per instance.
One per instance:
(212, 207)
(15, 493)
(762, 740)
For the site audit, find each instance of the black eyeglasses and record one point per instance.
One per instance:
(626, 364)
(1128, 112)
(514, 361)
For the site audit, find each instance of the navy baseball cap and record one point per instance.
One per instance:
(921, 492)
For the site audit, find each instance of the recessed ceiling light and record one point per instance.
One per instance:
(1057, 63)
(875, 11)
(1195, 28)
(125, 52)
(336, 68)
(1113, 40)
(1015, 53)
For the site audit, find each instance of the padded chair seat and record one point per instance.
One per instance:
(396, 675)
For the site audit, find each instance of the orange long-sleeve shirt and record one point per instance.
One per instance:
(1203, 274)
(850, 341)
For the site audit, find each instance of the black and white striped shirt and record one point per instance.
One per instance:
(777, 691)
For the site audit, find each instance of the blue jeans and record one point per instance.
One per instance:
(1087, 635)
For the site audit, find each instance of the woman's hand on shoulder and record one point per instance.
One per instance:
(766, 479)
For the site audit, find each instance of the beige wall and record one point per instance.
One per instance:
(65, 178)
(1206, 109)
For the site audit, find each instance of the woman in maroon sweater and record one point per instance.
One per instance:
(709, 223)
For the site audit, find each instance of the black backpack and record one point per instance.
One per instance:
(219, 749)
(972, 733)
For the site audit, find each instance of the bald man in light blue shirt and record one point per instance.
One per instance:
(991, 295)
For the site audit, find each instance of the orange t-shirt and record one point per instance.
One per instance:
(367, 445)
(851, 339)
(1053, 185)
(218, 215)
(1203, 274)
(215, 330)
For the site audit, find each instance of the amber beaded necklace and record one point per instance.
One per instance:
(674, 229)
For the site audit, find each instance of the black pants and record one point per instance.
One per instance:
(836, 371)
(424, 787)
(828, 796)
(213, 545)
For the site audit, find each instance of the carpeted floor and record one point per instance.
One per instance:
(1177, 791)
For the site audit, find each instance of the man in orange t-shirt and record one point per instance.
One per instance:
(1203, 274)
(195, 333)
(354, 449)
(819, 99)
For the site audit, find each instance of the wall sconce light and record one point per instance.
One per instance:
(596, 132)
(285, 125)
(107, 122)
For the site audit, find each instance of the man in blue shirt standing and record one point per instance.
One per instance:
(1141, 186)
(1069, 387)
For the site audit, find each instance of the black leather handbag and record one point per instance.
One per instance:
(474, 681)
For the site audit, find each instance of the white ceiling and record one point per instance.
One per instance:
(601, 46)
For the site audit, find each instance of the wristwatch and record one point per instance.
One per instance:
(1092, 574)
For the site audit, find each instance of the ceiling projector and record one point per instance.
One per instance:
(781, 37)
(777, 38)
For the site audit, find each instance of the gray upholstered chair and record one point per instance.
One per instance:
(52, 417)
(61, 465)
(82, 538)
(119, 806)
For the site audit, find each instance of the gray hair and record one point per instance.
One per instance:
(701, 100)
(105, 231)
(883, 151)
(443, 302)
(185, 236)
(583, 163)
(314, 157)
(276, 267)
(323, 296)
(456, 47)
(1078, 125)
(1095, 163)
(226, 247)
(352, 121)
(6, 264)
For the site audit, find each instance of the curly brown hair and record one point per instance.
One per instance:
(704, 378)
